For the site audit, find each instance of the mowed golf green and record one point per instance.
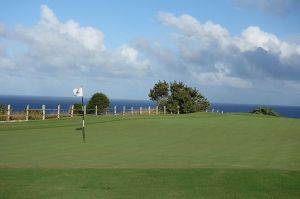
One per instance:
(202, 155)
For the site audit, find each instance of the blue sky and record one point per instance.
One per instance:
(235, 51)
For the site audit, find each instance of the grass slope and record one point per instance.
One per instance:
(188, 156)
(148, 183)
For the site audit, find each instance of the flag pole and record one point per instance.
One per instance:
(83, 127)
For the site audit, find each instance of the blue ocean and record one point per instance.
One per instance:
(19, 103)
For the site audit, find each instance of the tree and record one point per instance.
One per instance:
(100, 100)
(265, 111)
(177, 94)
(160, 94)
(77, 108)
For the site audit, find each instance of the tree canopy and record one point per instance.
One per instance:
(178, 95)
(160, 91)
(265, 111)
(77, 108)
(100, 100)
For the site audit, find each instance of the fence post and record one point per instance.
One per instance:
(156, 110)
(58, 110)
(27, 112)
(44, 112)
(8, 112)
(115, 110)
(178, 110)
(96, 110)
(132, 110)
(141, 109)
(149, 110)
(123, 110)
(72, 110)
(164, 109)
(84, 110)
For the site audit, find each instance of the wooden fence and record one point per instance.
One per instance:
(46, 113)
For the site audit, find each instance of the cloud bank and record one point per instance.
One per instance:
(203, 54)
(67, 49)
(209, 54)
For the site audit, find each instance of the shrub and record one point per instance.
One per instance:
(35, 114)
(77, 109)
(178, 95)
(100, 100)
(265, 111)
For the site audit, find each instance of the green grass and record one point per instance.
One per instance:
(148, 183)
(201, 155)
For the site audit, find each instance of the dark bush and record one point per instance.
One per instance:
(101, 101)
(265, 111)
(177, 96)
(77, 109)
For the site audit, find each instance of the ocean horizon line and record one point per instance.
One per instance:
(18, 102)
(127, 99)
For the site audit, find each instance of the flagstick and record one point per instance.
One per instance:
(83, 127)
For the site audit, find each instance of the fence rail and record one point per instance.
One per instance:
(46, 113)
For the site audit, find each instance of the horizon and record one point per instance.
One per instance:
(88, 97)
(232, 51)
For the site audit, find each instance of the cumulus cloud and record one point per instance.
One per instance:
(5, 62)
(271, 6)
(200, 53)
(90, 38)
(220, 78)
(68, 49)
(253, 37)
(209, 54)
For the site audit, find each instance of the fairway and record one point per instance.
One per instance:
(203, 155)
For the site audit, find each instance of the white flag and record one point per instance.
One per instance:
(78, 92)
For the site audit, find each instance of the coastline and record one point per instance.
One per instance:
(19, 102)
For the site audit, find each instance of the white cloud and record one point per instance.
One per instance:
(206, 33)
(221, 78)
(253, 38)
(130, 54)
(53, 46)
(90, 38)
(48, 16)
(201, 53)
(6, 63)
(252, 55)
